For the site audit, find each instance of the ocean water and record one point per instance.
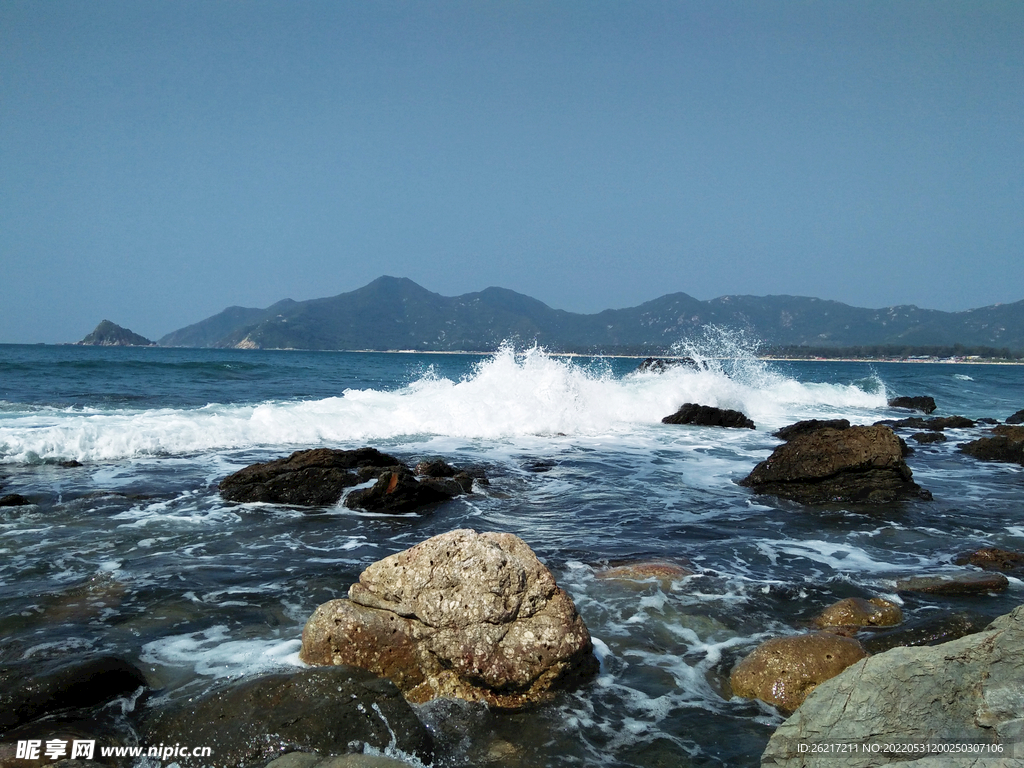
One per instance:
(135, 553)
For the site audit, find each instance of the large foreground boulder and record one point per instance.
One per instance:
(330, 711)
(858, 464)
(966, 690)
(464, 614)
(708, 416)
(784, 670)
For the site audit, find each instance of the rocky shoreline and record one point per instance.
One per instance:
(476, 617)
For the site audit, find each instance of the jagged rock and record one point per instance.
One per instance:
(108, 334)
(1017, 418)
(1006, 444)
(801, 427)
(316, 477)
(993, 559)
(30, 691)
(858, 612)
(966, 690)
(928, 437)
(465, 615)
(708, 416)
(14, 500)
(924, 403)
(859, 464)
(784, 670)
(954, 584)
(326, 710)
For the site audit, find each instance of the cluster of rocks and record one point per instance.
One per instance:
(320, 477)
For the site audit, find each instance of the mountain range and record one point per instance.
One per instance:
(394, 313)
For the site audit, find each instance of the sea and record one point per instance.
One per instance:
(128, 548)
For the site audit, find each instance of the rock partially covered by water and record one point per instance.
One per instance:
(967, 690)
(316, 477)
(14, 500)
(993, 559)
(966, 583)
(858, 612)
(924, 403)
(329, 711)
(810, 425)
(859, 464)
(464, 614)
(784, 670)
(30, 691)
(398, 491)
(1006, 444)
(928, 437)
(662, 364)
(708, 416)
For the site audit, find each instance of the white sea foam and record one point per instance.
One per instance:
(509, 395)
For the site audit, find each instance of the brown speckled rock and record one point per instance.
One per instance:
(464, 614)
(782, 671)
(858, 612)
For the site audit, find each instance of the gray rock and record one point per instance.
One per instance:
(966, 690)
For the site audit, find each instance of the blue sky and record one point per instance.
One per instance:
(162, 161)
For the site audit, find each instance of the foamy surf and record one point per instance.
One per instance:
(510, 394)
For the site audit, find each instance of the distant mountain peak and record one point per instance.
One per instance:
(108, 334)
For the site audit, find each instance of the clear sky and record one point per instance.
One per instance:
(160, 161)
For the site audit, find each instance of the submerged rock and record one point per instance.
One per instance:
(30, 691)
(929, 629)
(398, 491)
(708, 416)
(924, 403)
(955, 584)
(967, 690)
(464, 614)
(1006, 444)
(662, 570)
(14, 500)
(859, 464)
(810, 425)
(858, 612)
(662, 364)
(330, 711)
(316, 477)
(993, 559)
(784, 670)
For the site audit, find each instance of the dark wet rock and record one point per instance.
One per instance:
(662, 364)
(784, 670)
(539, 465)
(1006, 444)
(858, 612)
(464, 615)
(963, 691)
(329, 710)
(993, 559)
(859, 464)
(29, 691)
(708, 416)
(952, 584)
(14, 500)
(810, 425)
(927, 630)
(1017, 418)
(70, 464)
(316, 477)
(935, 424)
(398, 491)
(313, 760)
(440, 469)
(923, 403)
(436, 468)
(928, 437)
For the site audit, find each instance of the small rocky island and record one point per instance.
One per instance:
(108, 334)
